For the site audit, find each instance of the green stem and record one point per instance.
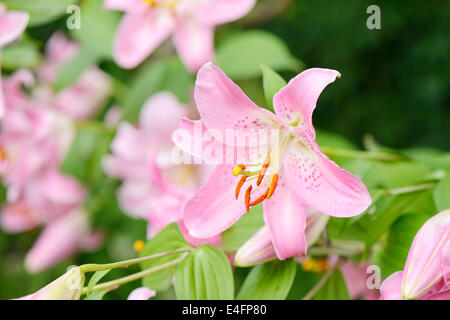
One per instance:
(368, 155)
(410, 189)
(311, 293)
(93, 126)
(135, 276)
(101, 267)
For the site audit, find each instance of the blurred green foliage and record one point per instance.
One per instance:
(395, 81)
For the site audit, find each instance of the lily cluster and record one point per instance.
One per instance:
(37, 131)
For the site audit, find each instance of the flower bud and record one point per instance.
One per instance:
(424, 266)
(259, 248)
(67, 287)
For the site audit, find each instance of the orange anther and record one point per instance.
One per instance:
(239, 186)
(260, 199)
(247, 198)
(273, 185)
(263, 170)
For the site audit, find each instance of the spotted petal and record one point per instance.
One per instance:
(320, 183)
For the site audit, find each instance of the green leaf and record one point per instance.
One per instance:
(170, 238)
(387, 214)
(272, 83)
(41, 11)
(432, 158)
(20, 55)
(204, 275)
(98, 26)
(72, 69)
(96, 277)
(168, 74)
(271, 280)
(391, 257)
(98, 294)
(394, 175)
(241, 55)
(241, 231)
(303, 282)
(86, 152)
(334, 289)
(441, 194)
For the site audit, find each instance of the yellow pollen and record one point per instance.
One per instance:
(150, 2)
(316, 265)
(238, 169)
(139, 245)
(2, 154)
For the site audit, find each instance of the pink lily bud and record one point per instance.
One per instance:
(67, 287)
(259, 248)
(424, 266)
(141, 293)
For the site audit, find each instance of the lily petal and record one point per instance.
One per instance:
(423, 268)
(214, 241)
(214, 207)
(222, 11)
(58, 241)
(285, 214)
(141, 293)
(139, 34)
(159, 118)
(18, 217)
(446, 263)
(391, 288)
(125, 5)
(195, 44)
(12, 24)
(223, 105)
(296, 102)
(321, 184)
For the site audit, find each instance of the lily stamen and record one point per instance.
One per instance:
(273, 185)
(247, 198)
(239, 186)
(260, 199)
(263, 171)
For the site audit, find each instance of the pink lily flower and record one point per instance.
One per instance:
(292, 173)
(67, 287)
(259, 248)
(426, 272)
(153, 187)
(147, 23)
(12, 24)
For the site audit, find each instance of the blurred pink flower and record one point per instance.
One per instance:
(12, 24)
(141, 293)
(426, 272)
(294, 173)
(61, 239)
(80, 100)
(147, 23)
(33, 142)
(356, 278)
(153, 188)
